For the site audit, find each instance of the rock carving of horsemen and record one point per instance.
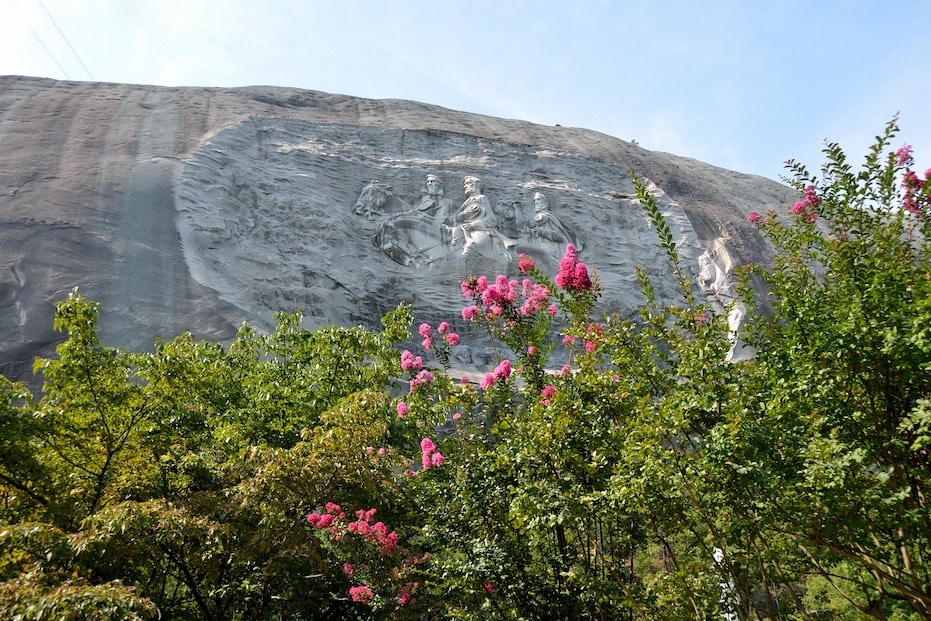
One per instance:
(407, 236)
(378, 200)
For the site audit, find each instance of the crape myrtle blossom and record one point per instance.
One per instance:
(430, 457)
(506, 298)
(917, 191)
(573, 274)
(424, 377)
(361, 594)
(502, 372)
(807, 208)
(524, 263)
(410, 362)
(427, 333)
(332, 512)
(449, 338)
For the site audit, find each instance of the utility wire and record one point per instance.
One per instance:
(65, 39)
(48, 51)
(12, 5)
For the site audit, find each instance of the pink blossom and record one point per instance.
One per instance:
(325, 521)
(369, 449)
(904, 155)
(425, 330)
(524, 263)
(573, 274)
(590, 347)
(348, 569)
(806, 208)
(471, 313)
(366, 515)
(810, 197)
(568, 340)
(503, 370)
(451, 339)
(334, 509)
(313, 518)
(388, 543)
(701, 317)
(427, 343)
(381, 451)
(547, 393)
(410, 362)
(488, 381)
(431, 458)
(532, 350)
(404, 599)
(424, 377)
(754, 217)
(403, 409)
(443, 328)
(361, 594)
(457, 415)
(535, 297)
(551, 309)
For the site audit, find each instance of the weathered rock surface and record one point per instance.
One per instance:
(194, 209)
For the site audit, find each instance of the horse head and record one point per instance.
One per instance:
(372, 200)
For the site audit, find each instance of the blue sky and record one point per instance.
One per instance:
(739, 84)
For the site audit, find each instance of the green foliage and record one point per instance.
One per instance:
(634, 472)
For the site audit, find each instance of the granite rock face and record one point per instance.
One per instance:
(190, 209)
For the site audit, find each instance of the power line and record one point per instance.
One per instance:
(12, 5)
(48, 51)
(65, 39)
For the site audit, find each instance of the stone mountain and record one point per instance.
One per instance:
(195, 209)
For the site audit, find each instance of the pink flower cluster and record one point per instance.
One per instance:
(547, 393)
(502, 372)
(424, 377)
(501, 298)
(754, 217)
(430, 458)
(535, 297)
(593, 334)
(410, 362)
(916, 191)
(427, 333)
(903, 157)
(450, 338)
(524, 263)
(573, 274)
(332, 512)
(361, 594)
(403, 409)
(807, 208)
(376, 533)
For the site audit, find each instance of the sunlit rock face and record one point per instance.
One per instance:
(184, 209)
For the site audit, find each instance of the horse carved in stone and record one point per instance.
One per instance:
(378, 200)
